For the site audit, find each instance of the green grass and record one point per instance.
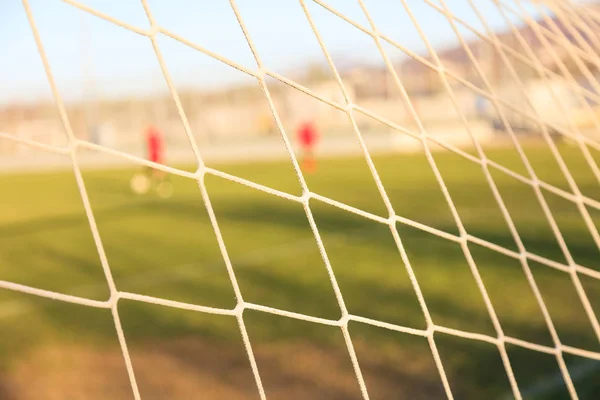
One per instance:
(167, 248)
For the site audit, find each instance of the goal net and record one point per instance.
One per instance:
(503, 101)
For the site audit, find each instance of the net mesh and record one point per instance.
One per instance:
(577, 36)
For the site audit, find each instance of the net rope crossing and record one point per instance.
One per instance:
(582, 48)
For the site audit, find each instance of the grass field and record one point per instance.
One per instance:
(167, 248)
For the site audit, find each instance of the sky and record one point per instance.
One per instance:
(88, 55)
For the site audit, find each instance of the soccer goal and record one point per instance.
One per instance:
(416, 209)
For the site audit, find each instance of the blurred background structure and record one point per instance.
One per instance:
(113, 113)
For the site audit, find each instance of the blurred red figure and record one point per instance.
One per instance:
(308, 136)
(156, 152)
(153, 178)
(155, 145)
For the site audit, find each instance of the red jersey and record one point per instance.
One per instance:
(307, 134)
(155, 145)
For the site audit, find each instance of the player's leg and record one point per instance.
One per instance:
(302, 157)
(311, 164)
(163, 185)
(154, 174)
(308, 159)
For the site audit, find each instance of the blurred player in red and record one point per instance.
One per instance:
(155, 144)
(154, 177)
(308, 136)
